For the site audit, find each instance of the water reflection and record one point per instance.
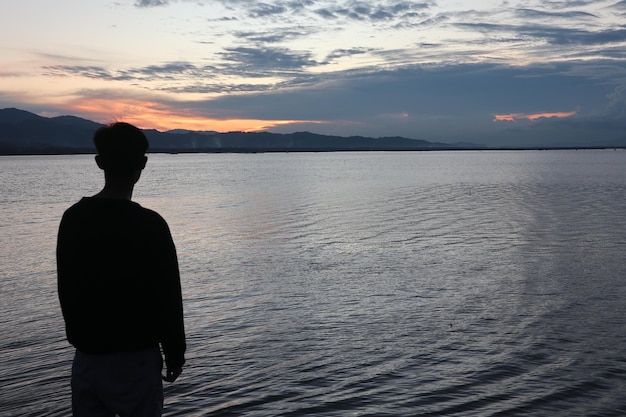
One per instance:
(466, 284)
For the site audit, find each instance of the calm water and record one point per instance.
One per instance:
(352, 284)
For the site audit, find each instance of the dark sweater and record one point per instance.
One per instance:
(118, 280)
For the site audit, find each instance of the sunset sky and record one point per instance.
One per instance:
(490, 72)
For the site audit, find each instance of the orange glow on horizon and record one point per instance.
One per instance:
(153, 115)
(512, 117)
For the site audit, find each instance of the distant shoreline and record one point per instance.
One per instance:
(291, 150)
(25, 133)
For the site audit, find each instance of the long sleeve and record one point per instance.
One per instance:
(173, 329)
(118, 280)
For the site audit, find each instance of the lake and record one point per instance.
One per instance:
(474, 283)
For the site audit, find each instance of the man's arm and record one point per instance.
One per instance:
(171, 305)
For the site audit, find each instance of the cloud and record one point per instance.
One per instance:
(558, 5)
(96, 72)
(552, 30)
(553, 35)
(166, 71)
(369, 11)
(187, 77)
(445, 103)
(274, 36)
(260, 10)
(512, 117)
(620, 5)
(353, 10)
(616, 108)
(450, 103)
(538, 14)
(8, 74)
(341, 53)
(414, 68)
(259, 61)
(153, 114)
(151, 3)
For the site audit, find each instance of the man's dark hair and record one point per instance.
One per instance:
(121, 147)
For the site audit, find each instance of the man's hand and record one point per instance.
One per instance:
(172, 373)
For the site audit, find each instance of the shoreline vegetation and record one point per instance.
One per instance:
(25, 133)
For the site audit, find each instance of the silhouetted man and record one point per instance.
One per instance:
(119, 288)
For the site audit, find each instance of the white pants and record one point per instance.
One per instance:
(123, 384)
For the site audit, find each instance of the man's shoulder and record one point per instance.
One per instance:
(91, 206)
(94, 205)
(77, 208)
(149, 213)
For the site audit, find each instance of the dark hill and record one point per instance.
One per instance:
(13, 115)
(73, 121)
(22, 132)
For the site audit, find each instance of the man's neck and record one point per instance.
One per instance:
(118, 187)
(117, 191)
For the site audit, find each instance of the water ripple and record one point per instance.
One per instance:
(369, 284)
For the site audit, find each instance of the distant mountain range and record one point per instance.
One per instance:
(22, 132)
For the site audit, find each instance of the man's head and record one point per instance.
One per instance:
(121, 148)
